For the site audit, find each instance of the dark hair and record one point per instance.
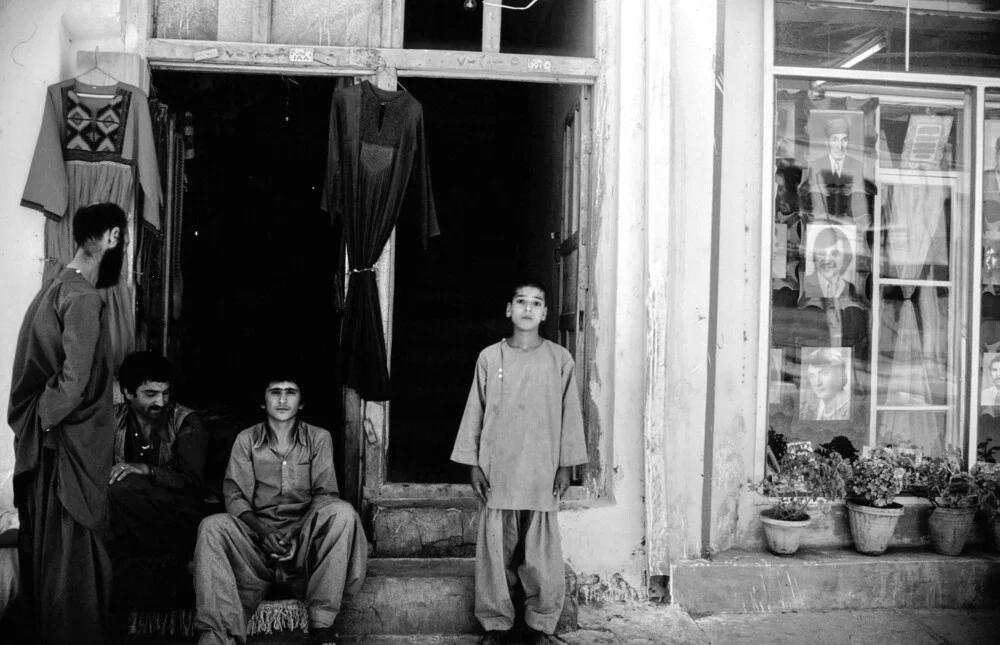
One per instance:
(281, 376)
(828, 237)
(140, 367)
(91, 222)
(527, 282)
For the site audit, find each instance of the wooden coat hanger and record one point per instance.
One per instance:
(96, 76)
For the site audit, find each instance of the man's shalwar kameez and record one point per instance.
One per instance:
(297, 490)
(522, 422)
(61, 411)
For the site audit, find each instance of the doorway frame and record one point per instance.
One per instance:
(367, 423)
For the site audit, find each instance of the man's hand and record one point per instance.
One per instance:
(480, 485)
(290, 544)
(122, 470)
(271, 543)
(561, 482)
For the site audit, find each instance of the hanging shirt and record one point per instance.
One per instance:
(60, 394)
(376, 156)
(522, 422)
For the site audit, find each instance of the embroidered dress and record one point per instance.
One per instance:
(93, 150)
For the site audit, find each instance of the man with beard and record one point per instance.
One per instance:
(155, 493)
(61, 412)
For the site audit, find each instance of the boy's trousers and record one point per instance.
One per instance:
(513, 546)
(232, 574)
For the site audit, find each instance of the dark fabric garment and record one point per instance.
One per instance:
(376, 151)
(65, 571)
(177, 449)
(148, 519)
(159, 514)
(61, 382)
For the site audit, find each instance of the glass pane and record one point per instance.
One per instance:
(323, 22)
(926, 431)
(871, 186)
(564, 28)
(955, 44)
(815, 34)
(987, 404)
(187, 19)
(913, 366)
(432, 24)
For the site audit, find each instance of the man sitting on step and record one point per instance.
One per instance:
(156, 486)
(284, 523)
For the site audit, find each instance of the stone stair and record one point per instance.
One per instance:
(424, 528)
(823, 579)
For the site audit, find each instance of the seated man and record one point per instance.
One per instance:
(284, 523)
(156, 494)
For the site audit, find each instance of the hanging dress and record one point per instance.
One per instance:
(376, 152)
(94, 150)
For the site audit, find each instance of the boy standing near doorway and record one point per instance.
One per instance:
(521, 432)
(285, 523)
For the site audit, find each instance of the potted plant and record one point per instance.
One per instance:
(955, 496)
(988, 482)
(872, 486)
(801, 478)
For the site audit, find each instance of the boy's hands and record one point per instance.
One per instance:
(561, 483)
(480, 484)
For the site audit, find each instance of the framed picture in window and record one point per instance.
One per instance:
(830, 263)
(826, 384)
(989, 393)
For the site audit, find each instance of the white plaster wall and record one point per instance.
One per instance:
(610, 541)
(33, 46)
(739, 266)
(38, 44)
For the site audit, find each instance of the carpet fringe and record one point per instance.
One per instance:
(271, 616)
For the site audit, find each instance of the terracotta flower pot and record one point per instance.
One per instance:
(950, 529)
(872, 527)
(783, 536)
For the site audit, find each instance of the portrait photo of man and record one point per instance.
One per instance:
(830, 267)
(826, 384)
(989, 396)
(835, 178)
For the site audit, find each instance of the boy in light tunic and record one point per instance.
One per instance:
(521, 432)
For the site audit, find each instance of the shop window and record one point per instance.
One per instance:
(555, 27)
(871, 265)
(300, 22)
(987, 366)
(889, 35)
(454, 25)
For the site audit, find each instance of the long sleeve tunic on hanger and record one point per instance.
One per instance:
(93, 150)
(522, 422)
(376, 152)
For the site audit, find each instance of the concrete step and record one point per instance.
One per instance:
(432, 528)
(829, 579)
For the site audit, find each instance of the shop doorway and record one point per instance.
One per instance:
(258, 256)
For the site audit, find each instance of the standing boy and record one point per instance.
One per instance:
(285, 523)
(521, 432)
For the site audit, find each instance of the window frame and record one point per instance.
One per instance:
(966, 366)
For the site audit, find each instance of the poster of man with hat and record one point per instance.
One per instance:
(835, 178)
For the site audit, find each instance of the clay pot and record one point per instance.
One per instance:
(872, 527)
(783, 536)
(950, 528)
